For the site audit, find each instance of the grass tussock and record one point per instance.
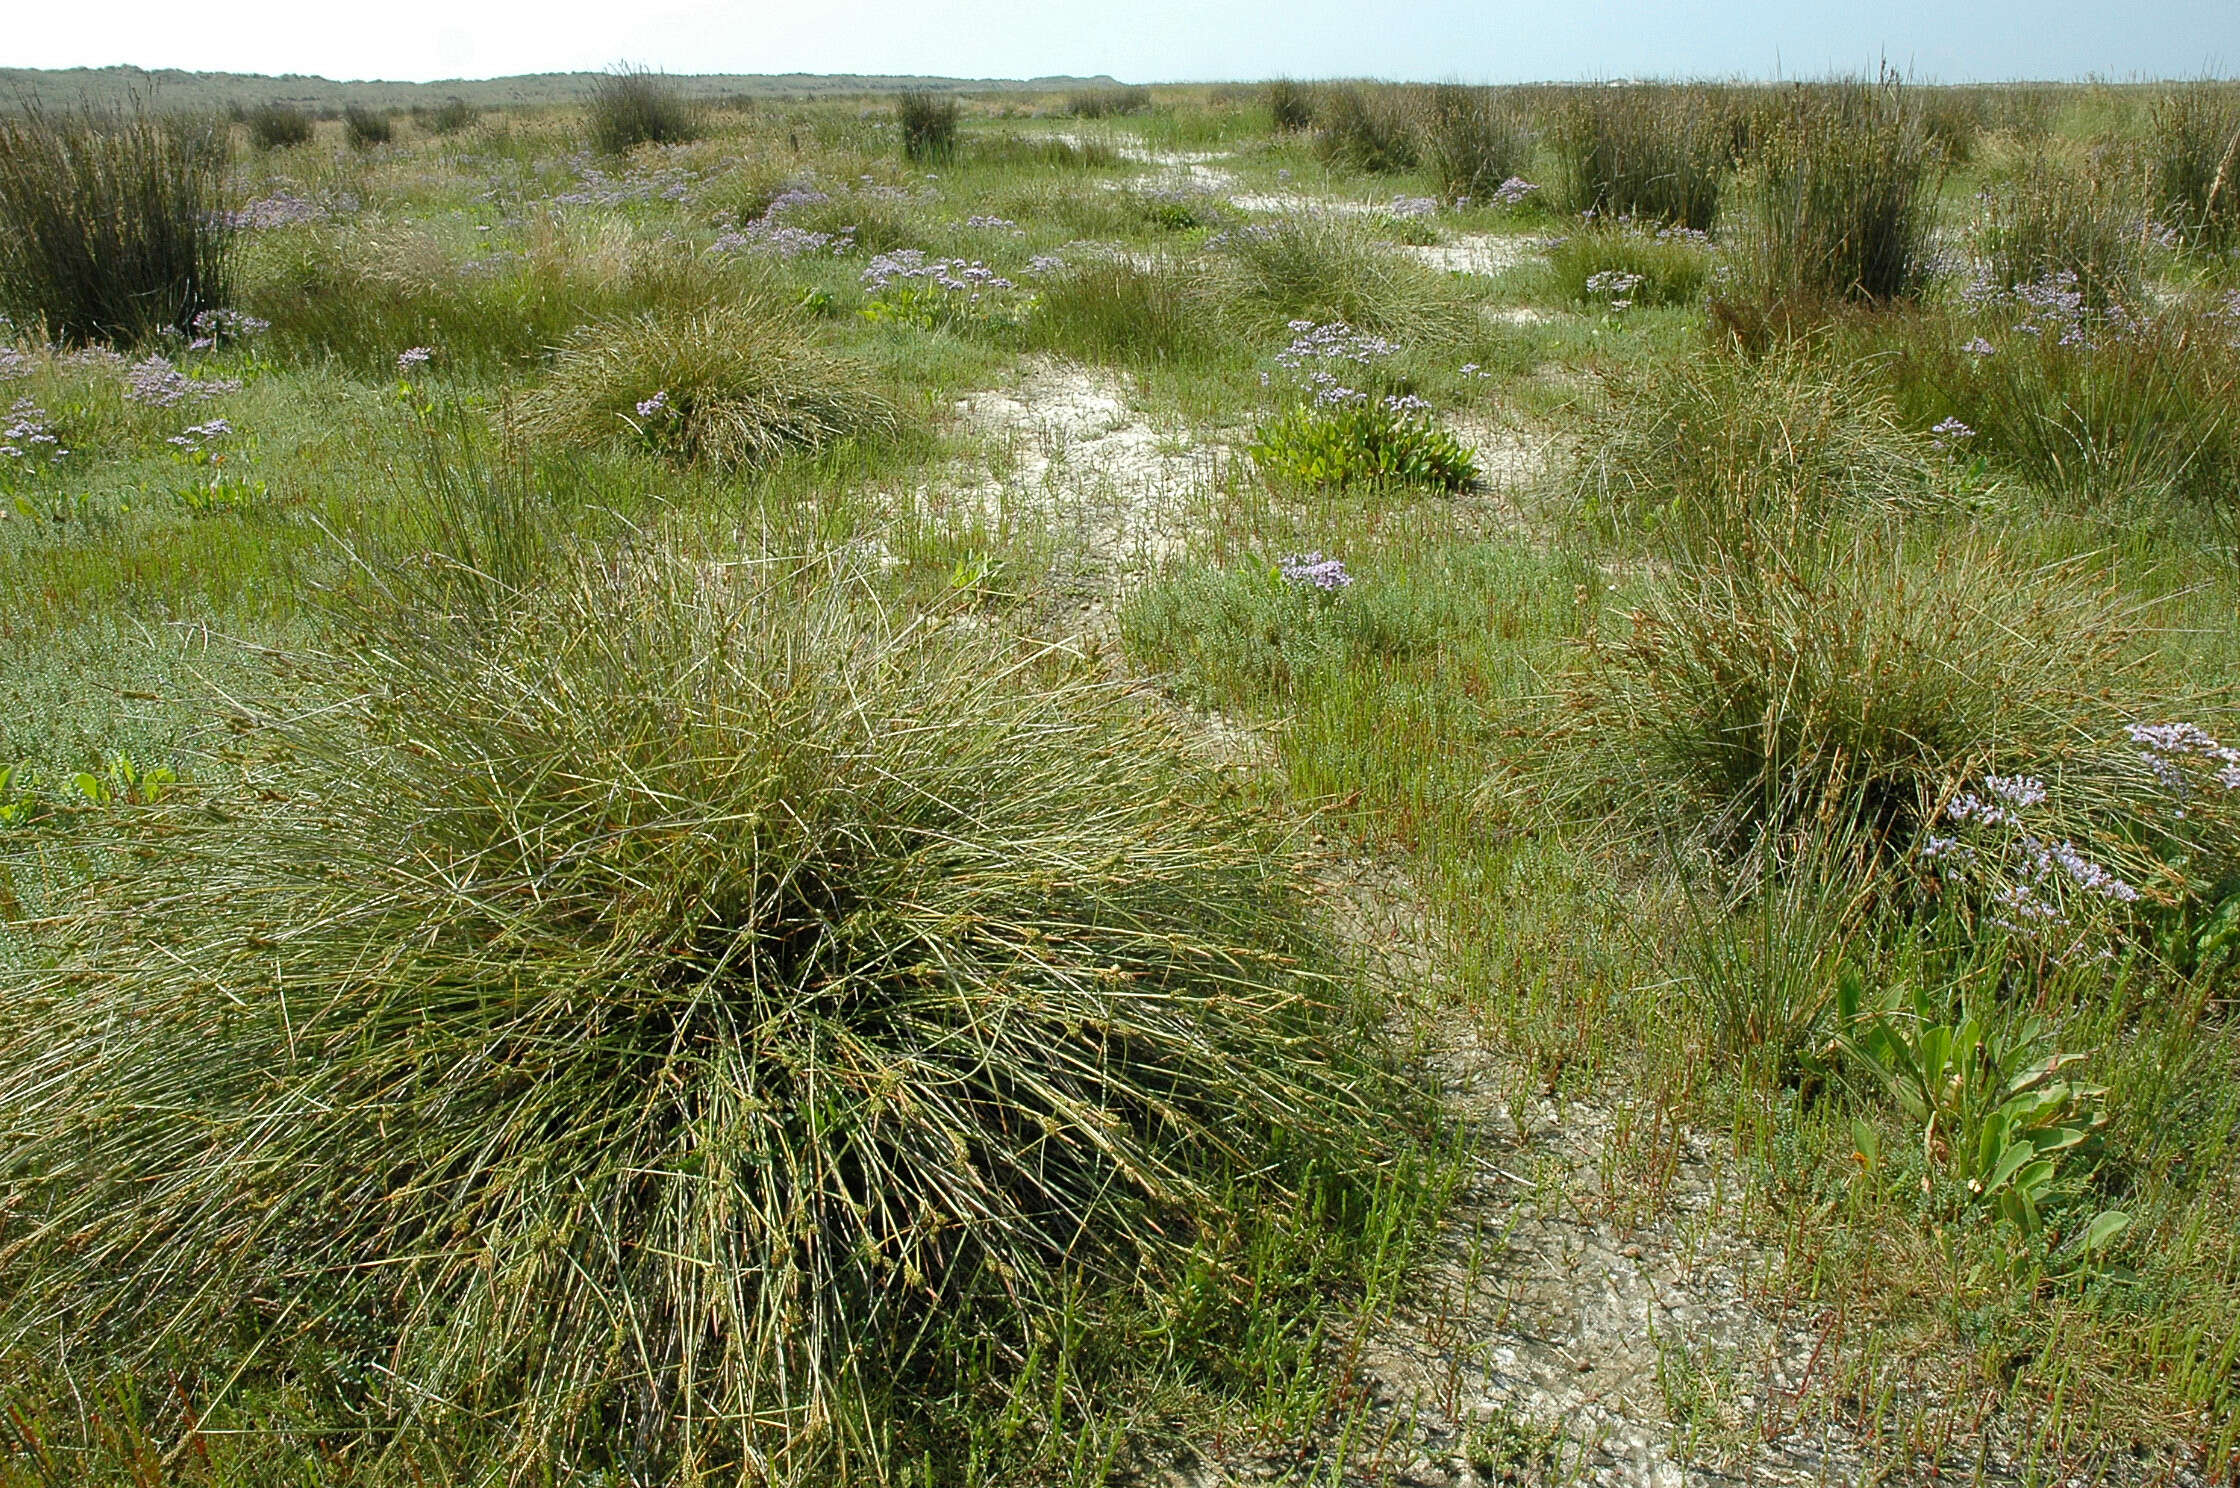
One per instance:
(732, 386)
(929, 125)
(1365, 129)
(1658, 154)
(1471, 142)
(1601, 264)
(1290, 106)
(632, 106)
(681, 1013)
(1108, 103)
(1324, 269)
(1845, 191)
(1714, 448)
(277, 126)
(2049, 220)
(1120, 311)
(113, 225)
(366, 127)
(1848, 684)
(2193, 155)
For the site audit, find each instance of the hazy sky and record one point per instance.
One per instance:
(1143, 40)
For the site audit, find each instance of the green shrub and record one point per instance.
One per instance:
(675, 1013)
(732, 386)
(1659, 154)
(929, 125)
(365, 127)
(1601, 264)
(2193, 154)
(632, 106)
(1470, 142)
(1364, 129)
(1367, 441)
(2045, 221)
(1290, 106)
(1118, 310)
(275, 126)
(1846, 192)
(1108, 103)
(113, 225)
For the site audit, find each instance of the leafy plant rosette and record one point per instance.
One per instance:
(1337, 434)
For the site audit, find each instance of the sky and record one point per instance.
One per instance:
(1146, 40)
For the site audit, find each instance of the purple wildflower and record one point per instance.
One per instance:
(1312, 570)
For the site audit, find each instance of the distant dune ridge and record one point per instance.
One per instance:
(186, 89)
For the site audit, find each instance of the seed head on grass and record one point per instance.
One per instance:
(667, 1007)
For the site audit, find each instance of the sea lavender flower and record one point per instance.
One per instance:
(1513, 190)
(228, 325)
(14, 363)
(413, 358)
(654, 406)
(195, 436)
(154, 381)
(1951, 434)
(29, 434)
(1978, 347)
(1045, 263)
(2020, 792)
(1406, 207)
(984, 219)
(1312, 570)
(1406, 404)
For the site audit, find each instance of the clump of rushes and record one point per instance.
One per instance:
(731, 386)
(1603, 264)
(1663, 154)
(1364, 129)
(632, 106)
(1470, 142)
(1117, 310)
(275, 126)
(365, 127)
(929, 125)
(1108, 103)
(1846, 190)
(1290, 106)
(449, 117)
(2046, 220)
(2193, 157)
(683, 1013)
(112, 223)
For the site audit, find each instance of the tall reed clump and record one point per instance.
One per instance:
(1364, 129)
(448, 117)
(276, 126)
(1470, 142)
(1290, 106)
(113, 224)
(680, 1013)
(366, 127)
(1846, 189)
(2049, 221)
(632, 106)
(1325, 269)
(732, 386)
(1663, 154)
(929, 125)
(2193, 156)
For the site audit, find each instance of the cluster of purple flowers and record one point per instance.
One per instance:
(29, 434)
(1321, 345)
(214, 326)
(2052, 308)
(158, 383)
(957, 275)
(655, 406)
(14, 363)
(284, 208)
(1045, 263)
(2162, 746)
(767, 234)
(598, 189)
(1405, 207)
(196, 437)
(413, 358)
(1513, 191)
(989, 221)
(1951, 434)
(1313, 571)
(2035, 871)
(1618, 284)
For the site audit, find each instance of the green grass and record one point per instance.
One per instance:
(1640, 737)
